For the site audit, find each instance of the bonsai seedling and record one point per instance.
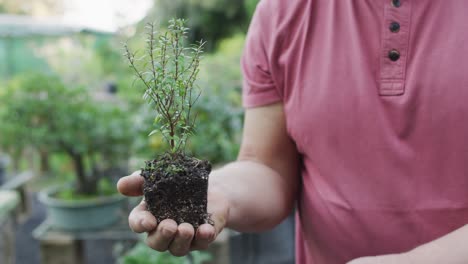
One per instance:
(175, 184)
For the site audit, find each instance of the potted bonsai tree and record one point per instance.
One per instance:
(41, 113)
(175, 183)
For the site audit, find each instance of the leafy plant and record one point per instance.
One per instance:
(175, 184)
(169, 79)
(142, 254)
(40, 112)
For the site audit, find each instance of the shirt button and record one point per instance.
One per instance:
(394, 27)
(393, 55)
(396, 3)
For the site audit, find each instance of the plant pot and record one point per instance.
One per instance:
(81, 215)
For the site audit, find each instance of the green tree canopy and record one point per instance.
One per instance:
(38, 111)
(210, 20)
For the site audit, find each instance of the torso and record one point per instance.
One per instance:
(384, 143)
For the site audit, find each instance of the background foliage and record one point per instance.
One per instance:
(210, 20)
(220, 112)
(39, 112)
(142, 254)
(95, 62)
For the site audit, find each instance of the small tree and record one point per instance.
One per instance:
(169, 73)
(41, 112)
(175, 185)
(30, 108)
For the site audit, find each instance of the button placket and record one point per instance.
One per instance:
(395, 42)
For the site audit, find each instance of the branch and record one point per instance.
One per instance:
(154, 97)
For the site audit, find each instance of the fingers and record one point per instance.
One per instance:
(207, 233)
(167, 235)
(140, 220)
(204, 236)
(161, 238)
(180, 246)
(219, 209)
(131, 185)
(181, 239)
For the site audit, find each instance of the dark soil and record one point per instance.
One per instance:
(176, 188)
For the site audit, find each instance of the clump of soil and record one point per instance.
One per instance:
(176, 188)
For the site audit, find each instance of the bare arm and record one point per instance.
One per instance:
(449, 249)
(262, 185)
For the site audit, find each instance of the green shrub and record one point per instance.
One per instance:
(39, 112)
(220, 109)
(142, 254)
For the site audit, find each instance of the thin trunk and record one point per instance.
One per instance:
(85, 186)
(44, 162)
(172, 137)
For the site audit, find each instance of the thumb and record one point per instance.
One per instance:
(131, 185)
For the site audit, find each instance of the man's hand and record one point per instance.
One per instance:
(384, 259)
(167, 235)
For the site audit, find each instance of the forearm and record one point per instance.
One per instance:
(259, 198)
(449, 249)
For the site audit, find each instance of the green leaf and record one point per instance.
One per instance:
(153, 132)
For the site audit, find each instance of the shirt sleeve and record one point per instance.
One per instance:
(259, 87)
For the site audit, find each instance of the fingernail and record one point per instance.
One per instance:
(167, 232)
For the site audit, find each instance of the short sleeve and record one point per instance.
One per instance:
(259, 87)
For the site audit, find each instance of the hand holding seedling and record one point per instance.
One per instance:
(174, 184)
(167, 235)
(252, 194)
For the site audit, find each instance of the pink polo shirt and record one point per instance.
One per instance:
(375, 94)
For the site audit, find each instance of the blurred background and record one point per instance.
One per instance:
(73, 121)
